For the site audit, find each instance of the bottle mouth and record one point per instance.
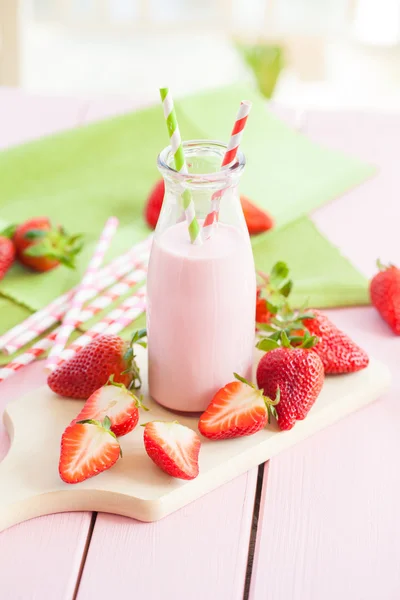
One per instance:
(199, 153)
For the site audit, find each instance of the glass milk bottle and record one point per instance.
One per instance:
(201, 297)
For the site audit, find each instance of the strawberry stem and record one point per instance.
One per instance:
(130, 357)
(383, 267)
(8, 231)
(270, 405)
(243, 380)
(54, 244)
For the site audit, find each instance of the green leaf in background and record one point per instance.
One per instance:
(322, 277)
(286, 173)
(266, 61)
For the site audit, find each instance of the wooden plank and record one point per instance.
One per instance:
(198, 552)
(40, 558)
(329, 525)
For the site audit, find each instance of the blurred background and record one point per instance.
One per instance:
(303, 53)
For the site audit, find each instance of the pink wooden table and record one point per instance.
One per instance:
(319, 522)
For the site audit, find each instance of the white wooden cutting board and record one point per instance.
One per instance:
(30, 485)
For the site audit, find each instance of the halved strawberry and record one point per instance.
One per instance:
(115, 402)
(236, 410)
(87, 448)
(173, 447)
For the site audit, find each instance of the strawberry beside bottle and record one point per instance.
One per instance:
(385, 295)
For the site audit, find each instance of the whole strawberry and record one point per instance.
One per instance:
(154, 204)
(42, 247)
(257, 220)
(338, 352)
(91, 368)
(385, 295)
(7, 250)
(298, 373)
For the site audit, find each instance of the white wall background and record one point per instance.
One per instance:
(133, 46)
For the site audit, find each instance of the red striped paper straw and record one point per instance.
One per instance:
(229, 157)
(107, 296)
(83, 293)
(115, 322)
(40, 321)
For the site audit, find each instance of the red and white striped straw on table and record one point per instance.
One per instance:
(229, 157)
(116, 321)
(83, 292)
(40, 321)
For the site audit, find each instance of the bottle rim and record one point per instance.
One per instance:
(192, 148)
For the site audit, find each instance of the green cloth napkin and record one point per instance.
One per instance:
(81, 177)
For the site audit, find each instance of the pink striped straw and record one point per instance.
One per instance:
(115, 322)
(110, 324)
(229, 157)
(83, 293)
(42, 320)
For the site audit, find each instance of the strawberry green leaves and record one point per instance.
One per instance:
(8, 231)
(285, 327)
(130, 358)
(276, 287)
(55, 244)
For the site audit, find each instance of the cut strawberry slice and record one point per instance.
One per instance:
(115, 402)
(87, 449)
(173, 447)
(238, 409)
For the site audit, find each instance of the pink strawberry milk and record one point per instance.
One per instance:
(201, 296)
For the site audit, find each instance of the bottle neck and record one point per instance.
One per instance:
(209, 189)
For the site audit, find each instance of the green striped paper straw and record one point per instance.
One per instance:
(180, 163)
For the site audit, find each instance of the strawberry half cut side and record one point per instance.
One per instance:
(237, 409)
(173, 447)
(88, 448)
(115, 402)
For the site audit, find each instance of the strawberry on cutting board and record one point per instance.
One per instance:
(237, 409)
(173, 447)
(385, 295)
(87, 449)
(42, 247)
(295, 374)
(257, 220)
(115, 402)
(338, 352)
(91, 367)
